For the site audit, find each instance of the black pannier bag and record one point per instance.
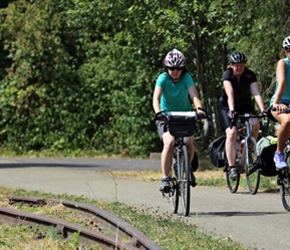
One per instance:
(181, 126)
(217, 152)
(266, 148)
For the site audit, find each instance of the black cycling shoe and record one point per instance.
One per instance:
(194, 163)
(192, 182)
(233, 173)
(165, 186)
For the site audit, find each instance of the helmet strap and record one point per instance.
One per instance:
(174, 80)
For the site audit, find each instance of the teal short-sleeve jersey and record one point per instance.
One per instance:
(175, 96)
(285, 98)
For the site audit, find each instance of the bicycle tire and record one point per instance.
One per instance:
(183, 180)
(284, 189)
(233, 184)
(174, 196)
(252, 177)
(284, 183)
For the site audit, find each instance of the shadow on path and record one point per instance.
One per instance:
(236, 213)
(82, 163)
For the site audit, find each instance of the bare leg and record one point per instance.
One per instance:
(190, 147)
(231, 142)
(284, 130)
(167, 153)
(255, 127)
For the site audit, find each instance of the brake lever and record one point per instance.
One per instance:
(159, 116)
(203, 115)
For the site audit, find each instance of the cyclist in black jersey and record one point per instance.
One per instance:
(239, 84)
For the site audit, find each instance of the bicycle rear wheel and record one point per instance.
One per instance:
(183, 180)
(252, 172)
(233, 184)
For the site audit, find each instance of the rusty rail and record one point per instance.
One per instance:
(118, 229)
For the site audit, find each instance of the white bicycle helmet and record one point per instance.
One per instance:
(174, 58)
(238, 57)
(286, 43)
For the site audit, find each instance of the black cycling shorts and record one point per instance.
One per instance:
(160, 128)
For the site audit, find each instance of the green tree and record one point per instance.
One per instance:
(79, 74)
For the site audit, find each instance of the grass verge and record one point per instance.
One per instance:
(212, 178)
(166, 230)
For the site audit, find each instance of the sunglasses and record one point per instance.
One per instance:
(175, 68)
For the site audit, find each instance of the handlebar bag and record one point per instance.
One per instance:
(181, 126)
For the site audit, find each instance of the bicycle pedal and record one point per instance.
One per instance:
(193, 184)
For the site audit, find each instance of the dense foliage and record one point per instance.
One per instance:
(79, 74)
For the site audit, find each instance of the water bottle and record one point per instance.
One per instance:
(242, 144)
(287, 147)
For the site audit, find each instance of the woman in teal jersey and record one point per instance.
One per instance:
(280, 101)
(173, 90)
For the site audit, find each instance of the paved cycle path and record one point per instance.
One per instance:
(254, 220)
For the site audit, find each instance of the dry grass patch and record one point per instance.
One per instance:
(150, 175)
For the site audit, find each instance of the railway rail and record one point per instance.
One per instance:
(121, 234)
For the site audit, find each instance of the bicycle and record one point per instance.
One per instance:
(245, 157)
(283, 178)
(180, 125)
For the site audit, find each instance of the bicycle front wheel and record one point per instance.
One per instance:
(285, 189)
(183, 180)
(252, 171)
(233, 184)
(284, 183)
(174, 196)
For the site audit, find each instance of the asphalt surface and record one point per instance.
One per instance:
(254, 220)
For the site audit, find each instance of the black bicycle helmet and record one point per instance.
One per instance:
(286, 43)
(238, 57)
